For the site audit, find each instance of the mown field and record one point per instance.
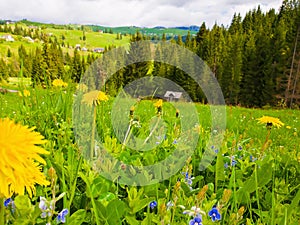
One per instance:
(253, 179)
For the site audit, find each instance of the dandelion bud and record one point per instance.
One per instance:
(166, 192)
(177, 113)
(131, 111)
(162, 209)
(201, 194)
(226, 195)
(177, 186)
(52, 173)
(241, 211)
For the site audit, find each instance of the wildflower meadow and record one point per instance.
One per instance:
(47, 177)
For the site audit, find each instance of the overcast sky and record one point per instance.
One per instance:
(143, 13)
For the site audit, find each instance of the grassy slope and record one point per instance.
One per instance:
(13, 46)
(93, 40)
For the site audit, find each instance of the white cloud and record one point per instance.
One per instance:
(131, 12)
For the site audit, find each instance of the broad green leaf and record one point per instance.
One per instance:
(78, 217)
(264, 175)
(140, 204)
(131, 220)
(115, 211)
(23, 204)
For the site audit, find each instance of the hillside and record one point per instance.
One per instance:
(88, 37)
(68, 37)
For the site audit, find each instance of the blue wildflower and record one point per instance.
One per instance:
(175, 141)
(10, 203)
(153, 204)
(43, 203)
(214, 214)
(188, 179)
(233, 162)
(252, 159)
(61, 217)
(7, 202)
(215, 150)
(240, 148)
(194, 211)
(169, 205)
(226, 165)
(196, 221)
(46, 207)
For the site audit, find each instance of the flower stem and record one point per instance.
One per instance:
(127, 135)
(93, 133)
(2, 219)
(256, 189)
(152, 131)
(263, 148)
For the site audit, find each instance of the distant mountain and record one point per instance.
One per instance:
(191, 28)
(159, 27)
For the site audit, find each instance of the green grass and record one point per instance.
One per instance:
(267, 188)
(13, 46)
(93, 39)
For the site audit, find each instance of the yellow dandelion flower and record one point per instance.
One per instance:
(268, 120)
(20, 159)
(59, 83)
(288, 127)
(24, 93)
(158, 104)
(94, 97)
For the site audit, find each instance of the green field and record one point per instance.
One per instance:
(253, 179)
(72, 38)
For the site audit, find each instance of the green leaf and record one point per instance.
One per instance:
(108, 196)
(292, 207)
(115, 211)
(131, 220)
(98, 186)
(140, 204)
(264, 175)
(101, 210)
(220, 167)
(23, 204)
(78, 217)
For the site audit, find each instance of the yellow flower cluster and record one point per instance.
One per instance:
(158, 104)
(268, 120)
(59, 83)
(94, 98)
(24, 93)
(20, 159)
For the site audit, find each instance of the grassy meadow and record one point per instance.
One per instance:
(253, 179)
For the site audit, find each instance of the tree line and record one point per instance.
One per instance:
(255, 59)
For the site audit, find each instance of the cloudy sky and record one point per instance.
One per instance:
(144, 13)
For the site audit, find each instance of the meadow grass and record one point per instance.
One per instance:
(246, 184)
